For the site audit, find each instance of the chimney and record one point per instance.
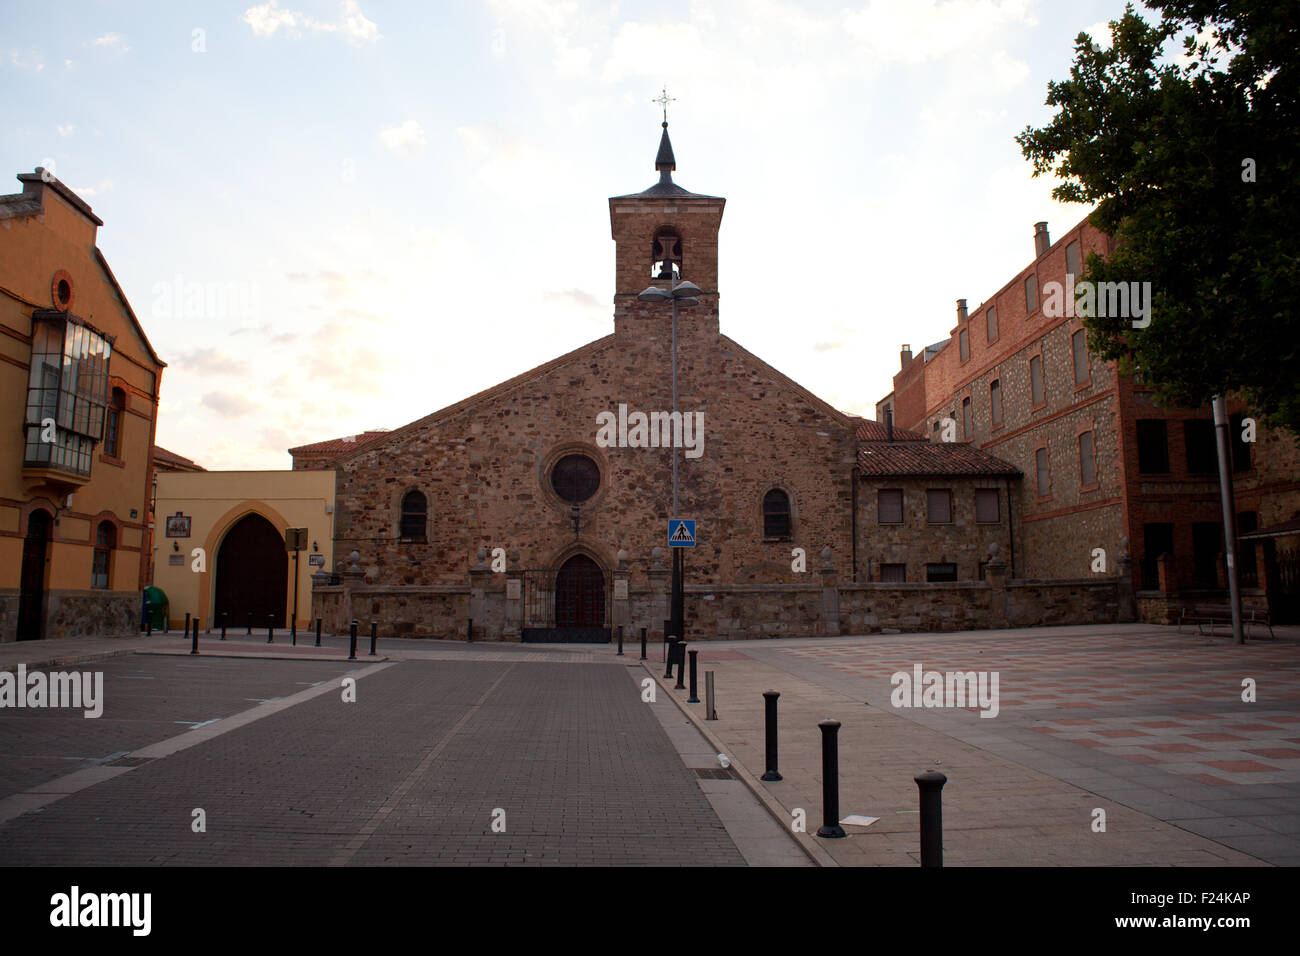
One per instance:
(905, 356)
(961, 310)
(889, 423)
(1042, 241)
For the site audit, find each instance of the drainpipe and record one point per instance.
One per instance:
(853, 485)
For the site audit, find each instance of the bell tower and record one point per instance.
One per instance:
(665, 231)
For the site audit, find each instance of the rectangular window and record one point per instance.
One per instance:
(1044, 477)
(963, 345)
(1072, 262)
(1031, 294)
(966, 424)
(938, 506)
(1240, 449)
(1207, 543)
(893, 573)
(99, 569)
(1199, 441)
(889, 506)
(941, 572)
(987, 506)
(1087, 460)
(1153, 447)
(991, 320)
(995, 402)
(1157, 539)
(1037, 390)
(1079, 346)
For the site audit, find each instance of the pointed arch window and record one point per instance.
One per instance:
(113, 424)
(776, 514)
(415, 515)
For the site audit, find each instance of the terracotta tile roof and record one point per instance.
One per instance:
(875, 431)
(930, 458)
(171, 458)
(347, 443)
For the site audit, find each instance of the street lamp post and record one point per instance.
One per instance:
(685, 294)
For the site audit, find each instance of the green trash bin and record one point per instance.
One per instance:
(158, 606)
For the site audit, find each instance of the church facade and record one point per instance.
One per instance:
(539, 508)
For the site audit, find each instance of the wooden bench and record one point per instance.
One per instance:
(1211, 614)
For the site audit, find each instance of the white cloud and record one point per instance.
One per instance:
(66, 130)
(112, 41)
(406, 139)
(229, 404)
(87, 192)
(29, 61)
(268, 18)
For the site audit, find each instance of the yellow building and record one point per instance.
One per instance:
(79, 377)
(220, 544)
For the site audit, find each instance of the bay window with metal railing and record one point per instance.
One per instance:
(66, 393)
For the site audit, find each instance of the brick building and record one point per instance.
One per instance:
(79, 390)
(539, 506)
(1103, 462)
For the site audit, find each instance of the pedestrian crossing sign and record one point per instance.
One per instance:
(681, 532)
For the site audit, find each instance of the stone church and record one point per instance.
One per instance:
(538, 509)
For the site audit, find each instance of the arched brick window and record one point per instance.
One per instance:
(415, 515)
(776, 514)
(105, 541)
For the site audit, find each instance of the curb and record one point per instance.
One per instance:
(49, 662)
(806, 842)
(361, 659)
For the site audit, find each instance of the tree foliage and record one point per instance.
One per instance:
(1164, 147)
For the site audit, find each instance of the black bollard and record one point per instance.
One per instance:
(830, 780)
(620, 641)
(695, 697)
(352, 654)
(669, 641)
(931, 784)
(149, 627)
(187, 623)
(680, 650)
(293, 631)
(374, 634)
(769, 723)
(250, 623)
(469, 631)
(270, 628)
(194, 643)
(224, 615)
(643, 643)
(318, 632)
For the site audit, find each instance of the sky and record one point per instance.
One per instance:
(336, 216)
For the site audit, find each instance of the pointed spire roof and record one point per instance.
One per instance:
(665, 162)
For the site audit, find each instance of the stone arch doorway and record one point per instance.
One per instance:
(252, 575)
(580, 594)
(31, 597)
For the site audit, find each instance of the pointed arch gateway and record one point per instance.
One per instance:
(566, 605)
(252, 574)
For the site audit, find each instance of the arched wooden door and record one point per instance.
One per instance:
(580, 600)
(31, 596)
(252, 575)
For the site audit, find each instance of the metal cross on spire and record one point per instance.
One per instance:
(663, 99)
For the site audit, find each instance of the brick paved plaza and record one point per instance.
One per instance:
(1144, 723)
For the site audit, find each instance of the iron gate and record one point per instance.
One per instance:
(567, 604)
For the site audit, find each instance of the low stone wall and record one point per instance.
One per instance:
(821, 607)
(91, 614)
(433, 611)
